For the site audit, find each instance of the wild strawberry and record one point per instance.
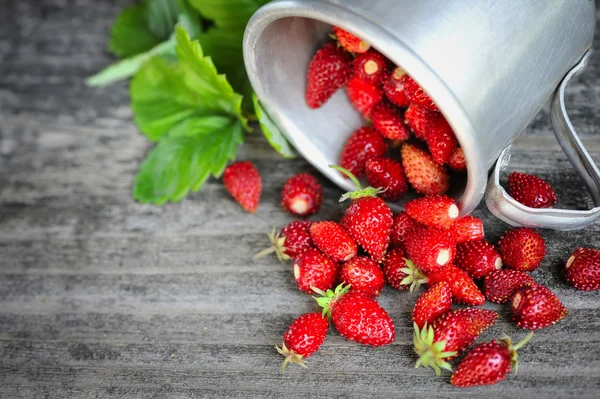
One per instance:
(450, 335)
(418, 118)
(363, 95)
(583, 269)
(488, 363)
(329, 71)
(243, 182)
(387, 175)
(363, 145)
(350, 42)
(531, 191)
(535, 306)
(333, 241)
(358, 317)
(464, 290)
(500, 285)
(313, 269)
(477, 258)
(436, 301)
(423, 174)
(433, 211)
(402, 227)
(522, 249)
(302, 195)
(431, 249)
(393, 87)
(417, 95)
(363, 275)
(457, 160)
(468, 228)
(303, 338)
(389, 121)
(293, 240)
(440, 139)
(400, 272)
(368, 219)
(371, 67)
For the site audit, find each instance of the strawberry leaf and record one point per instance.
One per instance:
(272, 132)
(181, 163)
(228, 13)
(132, 22)
(164, 95)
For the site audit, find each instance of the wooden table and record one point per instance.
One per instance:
(101, 296)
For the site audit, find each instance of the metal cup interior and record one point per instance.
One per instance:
(280, 41)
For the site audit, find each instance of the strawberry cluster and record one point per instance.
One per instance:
(397, 109)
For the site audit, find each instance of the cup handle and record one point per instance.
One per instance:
(516, 214)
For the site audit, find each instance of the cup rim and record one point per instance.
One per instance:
(399, 53)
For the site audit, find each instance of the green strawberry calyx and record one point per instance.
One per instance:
(277, 246)
(414, 276)
(514, 357)
(431, 354)
(359, 192)
(329, 297)
(290, 357)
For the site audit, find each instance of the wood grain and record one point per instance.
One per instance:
(104, 297)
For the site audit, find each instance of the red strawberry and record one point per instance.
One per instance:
(457, 160)
(313, 269)
(333, 241)
(350, 42)
(531, 191)
(434, 211)
(358, 317)
(463, 288)
(329, 71)
(243, 182)
(368, 219)
(488, 363)
(418, 118)
(477, 258)
(440, 139)
(363, 275)
(535, 306)
(393, 88)
(363, 95)
(389, 121)
(436, 301)
(303, 338)
(423, 174)
(363, 145)
(402, 227)
(400, 272)
(500, 285)
(522, 249)
(371, 67)
(583, 269)
(468, 228)
(417, 95)
(450, 335)
(430, 249)
(302, 195)
(388, 175)
(293, 240)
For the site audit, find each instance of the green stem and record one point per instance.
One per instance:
(523, 342)
(349, 174)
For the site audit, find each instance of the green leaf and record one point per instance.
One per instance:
(130, 34)
(228, 13)
(161, 16)
(163, 94)
(129, 66)
(272, 132)
(182, 162)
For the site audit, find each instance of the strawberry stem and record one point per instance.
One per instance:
(290, 357)
(431, 354)
(415, 277)
(277, 246)
(514, 357)
(329, 297)
(359, 192)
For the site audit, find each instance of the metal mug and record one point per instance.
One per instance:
(489, 65)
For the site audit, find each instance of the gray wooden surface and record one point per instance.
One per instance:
(104, 297)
